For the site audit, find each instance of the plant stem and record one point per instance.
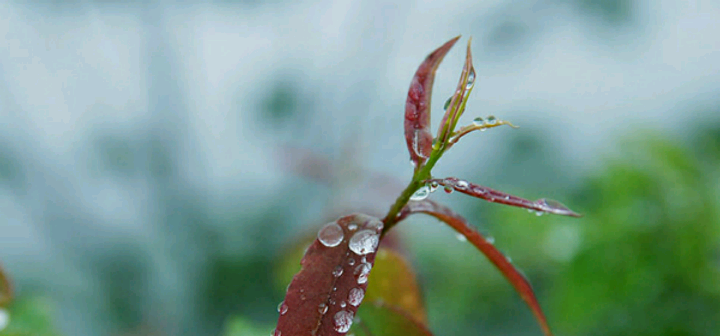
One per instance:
(417, 181)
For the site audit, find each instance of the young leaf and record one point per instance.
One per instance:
(459, 224)
(379, 319)
(394, 284)
(456, 106)
(323, 297)
(417, 106)
(542, 205)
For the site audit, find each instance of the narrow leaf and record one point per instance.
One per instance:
(323, 297)
(417, 107)
(381, 319)
(542, 205)
(456, 106)
(459, 224)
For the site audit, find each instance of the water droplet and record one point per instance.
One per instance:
(539, 213)
(343, 304)
(375, 224)
(470, 80)
(343, 321)
(448, 189)
(460, 237)
(355, 296)
(364, 242)
(412, 162)
(351, 261)
(334, 289)
(363, 271)
(434, 184)
(421, 194)
(478, 121)
(461, 185)
(322, 308)
(277, 333)
(490, 240)
(282, 308)
(507, 197)
(338, 271)
(330, 235)
(554, 206)
(508, 259)
(352, 227)
(363, 260)
(491, 120)
(447, 103)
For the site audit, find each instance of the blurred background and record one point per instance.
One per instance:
(158, 159)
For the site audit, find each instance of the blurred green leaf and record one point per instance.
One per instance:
(381, 320)
(31, 316)
(241, 326)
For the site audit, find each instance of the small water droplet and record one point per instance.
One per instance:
(343, 304)
(539, 213)
(461, 185)
(351, 261)
(282, 308)
(352, 227)
(322, 308)
(362, 272)
(470, 80)
(507, 197)
(460, 237)
(374, 224)
(491, 120)
(334, 289)
(330, 235)
(355, 296)
(412, 162)
(364, 242)
(363, 260)
(490, 240)
(448, 189)
(343, 320)
(338, 271)
(447, 103)
(421, 194)
(277, 333)
(554, 206)
(508, 259)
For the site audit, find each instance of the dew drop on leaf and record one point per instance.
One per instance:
(375, 224)
(351, 261)
(448, 189)
(343, 320)
(330, 235)
(277, 333)
(362, 272)
(322, 308)
(478, 121)
(490, 240)
(491, 120)
(421, 194)
(352, 227)
(355, 296)
(282, 308)
(461, 185)
(343, 304)
(470, 80)
(338, 271)
(364, 242)
(553, 205)
(460, 237)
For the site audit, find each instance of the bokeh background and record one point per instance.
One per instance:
(158, 159)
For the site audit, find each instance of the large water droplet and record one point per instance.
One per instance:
(355, 296)
(322, 308)
(470, 80)
(478, 121)
(421, 194)
(491, 120)
(282, 308)
(364, 242)
(331, 235)
(338, 271)
(362, 272)
(343, 320)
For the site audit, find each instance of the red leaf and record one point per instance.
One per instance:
(323, 297)
(542, 205)
(459, 224)
(417, 107)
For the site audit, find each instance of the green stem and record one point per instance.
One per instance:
(417, 181)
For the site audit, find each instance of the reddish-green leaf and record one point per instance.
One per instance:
(323, 297)
(456, 105)
(394, 284)
(380, 319)
(459, 224)
(542, 205)
(417, 107)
